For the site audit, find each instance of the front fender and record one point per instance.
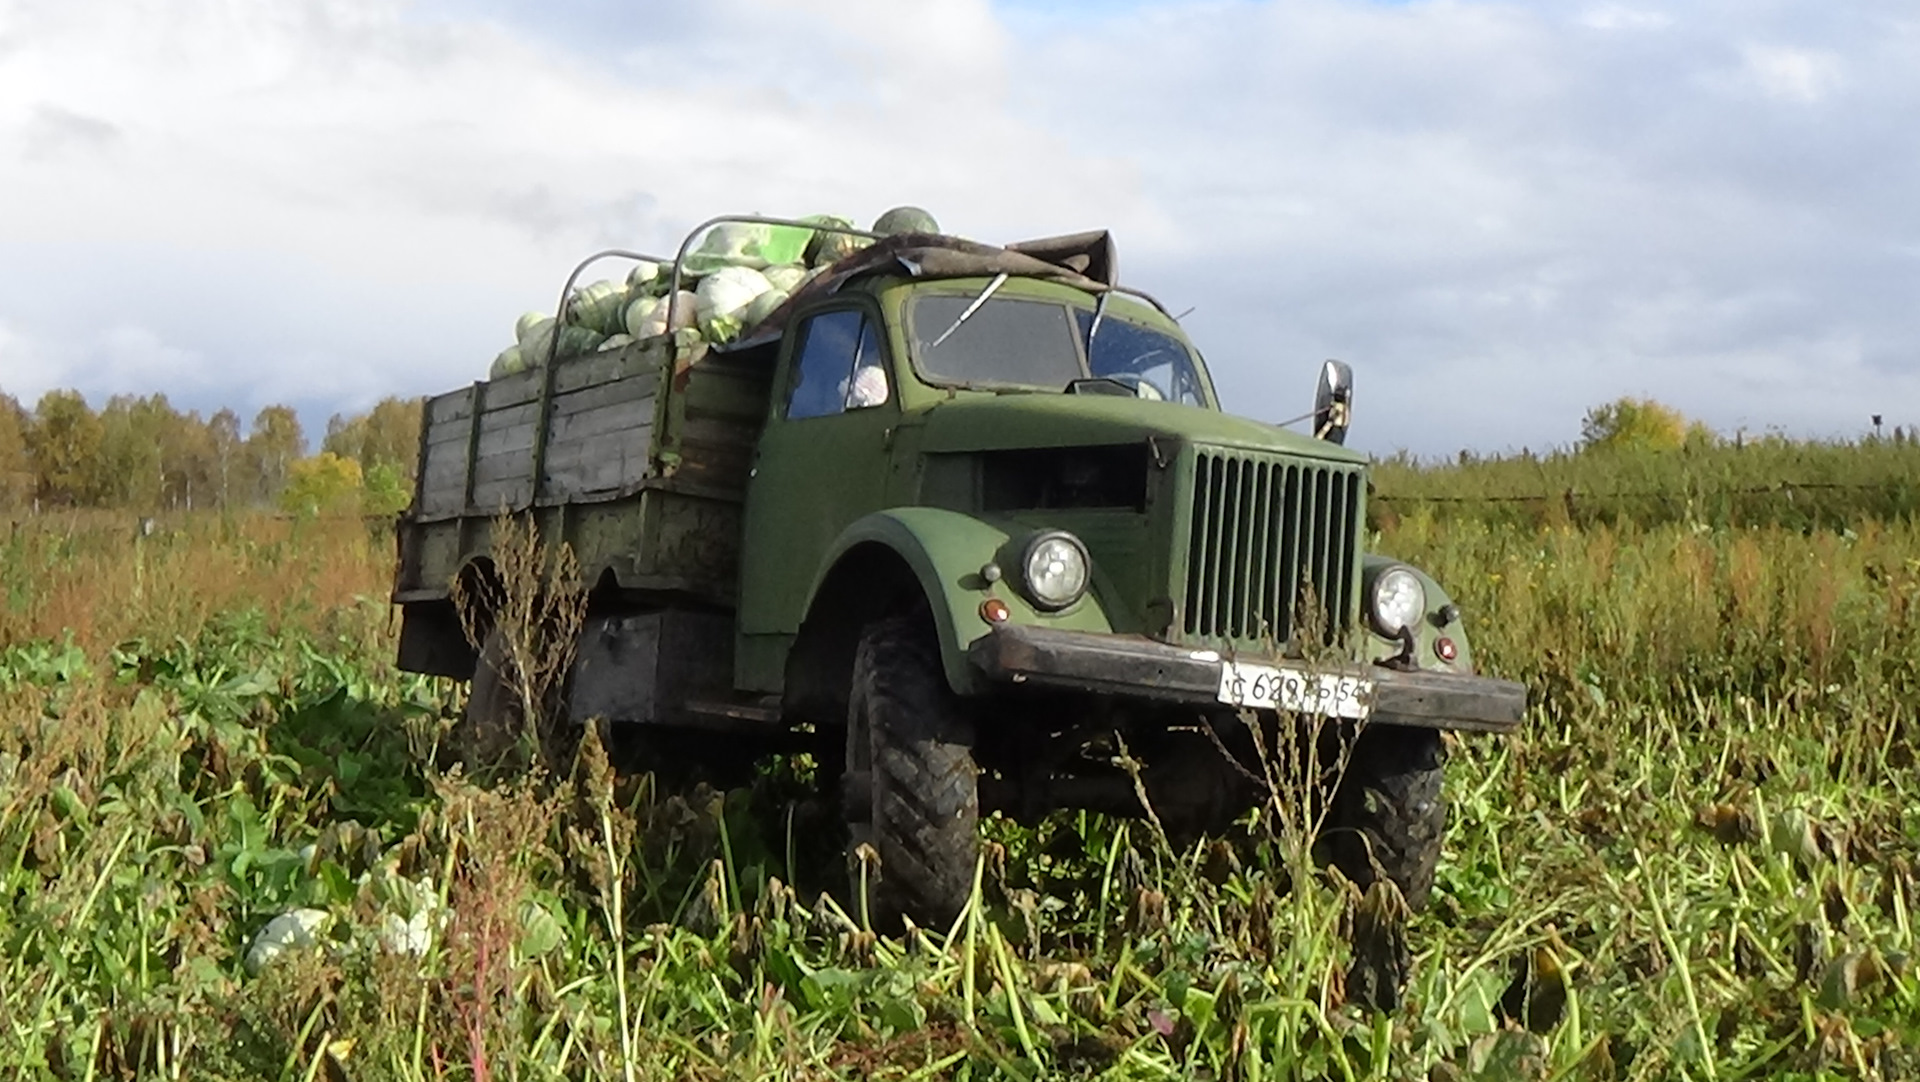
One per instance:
(946, 551)
(1431, 629)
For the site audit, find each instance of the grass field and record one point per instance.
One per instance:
(1704, 848)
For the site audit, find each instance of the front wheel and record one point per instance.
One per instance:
(912, 786)
(1388, 813)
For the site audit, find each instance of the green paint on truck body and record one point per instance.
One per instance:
(1203, 528)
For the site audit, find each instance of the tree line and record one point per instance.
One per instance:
(139, 453)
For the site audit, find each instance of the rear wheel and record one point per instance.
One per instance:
(493, 717)
(1388, 814)
(912, 787)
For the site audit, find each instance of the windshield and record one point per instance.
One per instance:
(1010, 341)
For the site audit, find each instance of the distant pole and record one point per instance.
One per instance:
(1876, 426)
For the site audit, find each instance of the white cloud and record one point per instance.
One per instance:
(1791, 74)
(1500, 215)
(1619, 17)
(116, 359)
(325, 199)
(1502, 220)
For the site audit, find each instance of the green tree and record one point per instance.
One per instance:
(16, 469)
(385, 491)
(188, 454)
(132, 471)
(64, 445)
(326, 484)
(275, 443)
(1640, 424)
(227, 474)
(386, 435)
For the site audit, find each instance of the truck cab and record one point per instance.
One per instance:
(990, 545)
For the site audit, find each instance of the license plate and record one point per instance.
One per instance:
(1265, 687)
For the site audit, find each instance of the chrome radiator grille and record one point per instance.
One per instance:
(1268, 533)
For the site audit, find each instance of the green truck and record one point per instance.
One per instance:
(969, 525)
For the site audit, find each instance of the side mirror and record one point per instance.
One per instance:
(1333, 402)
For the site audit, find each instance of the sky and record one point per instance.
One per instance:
(1500, 213)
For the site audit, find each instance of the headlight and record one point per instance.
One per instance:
(1397, 601)
(1055, 569)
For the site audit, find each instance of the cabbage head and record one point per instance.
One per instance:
(786, 277)
(723, 296)
(576, 341)
(508, 363)
(640, 312)
(905, 220)
(763, 306)
(647, 317)
(828, 247)
(597, 307)
(729, 244)
(573, 342)
(538, 342)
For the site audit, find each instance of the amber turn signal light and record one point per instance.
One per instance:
(995, 611)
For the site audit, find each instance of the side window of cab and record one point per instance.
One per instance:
(838, 365)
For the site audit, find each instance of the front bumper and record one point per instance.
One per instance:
(1139, 667)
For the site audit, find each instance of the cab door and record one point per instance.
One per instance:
(822, 463)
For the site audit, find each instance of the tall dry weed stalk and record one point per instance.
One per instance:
(524, 618)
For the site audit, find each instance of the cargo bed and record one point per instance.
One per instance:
(647, 488)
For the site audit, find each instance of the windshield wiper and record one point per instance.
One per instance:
(998, 281)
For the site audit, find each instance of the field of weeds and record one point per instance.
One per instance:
(1699, 859)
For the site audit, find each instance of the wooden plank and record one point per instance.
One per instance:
(515, 389)
(630, 445)
(506, 441)
(510, 429)
(495, 419)
(507, 435)
(442, 501)
(712, 473)
(724, 466)
(449, 474)
(444, 457)
(450, 407)
(511, 492)
(570, 374)
(589, 469)
(500, 466)
(443, 473)
(734, 388)
(444, 452)
(632, 389)
(443, 487)
(718, 432)
(598, 368)
(447, 433)
(606, 420)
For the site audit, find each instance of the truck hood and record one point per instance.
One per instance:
(1017, 421)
